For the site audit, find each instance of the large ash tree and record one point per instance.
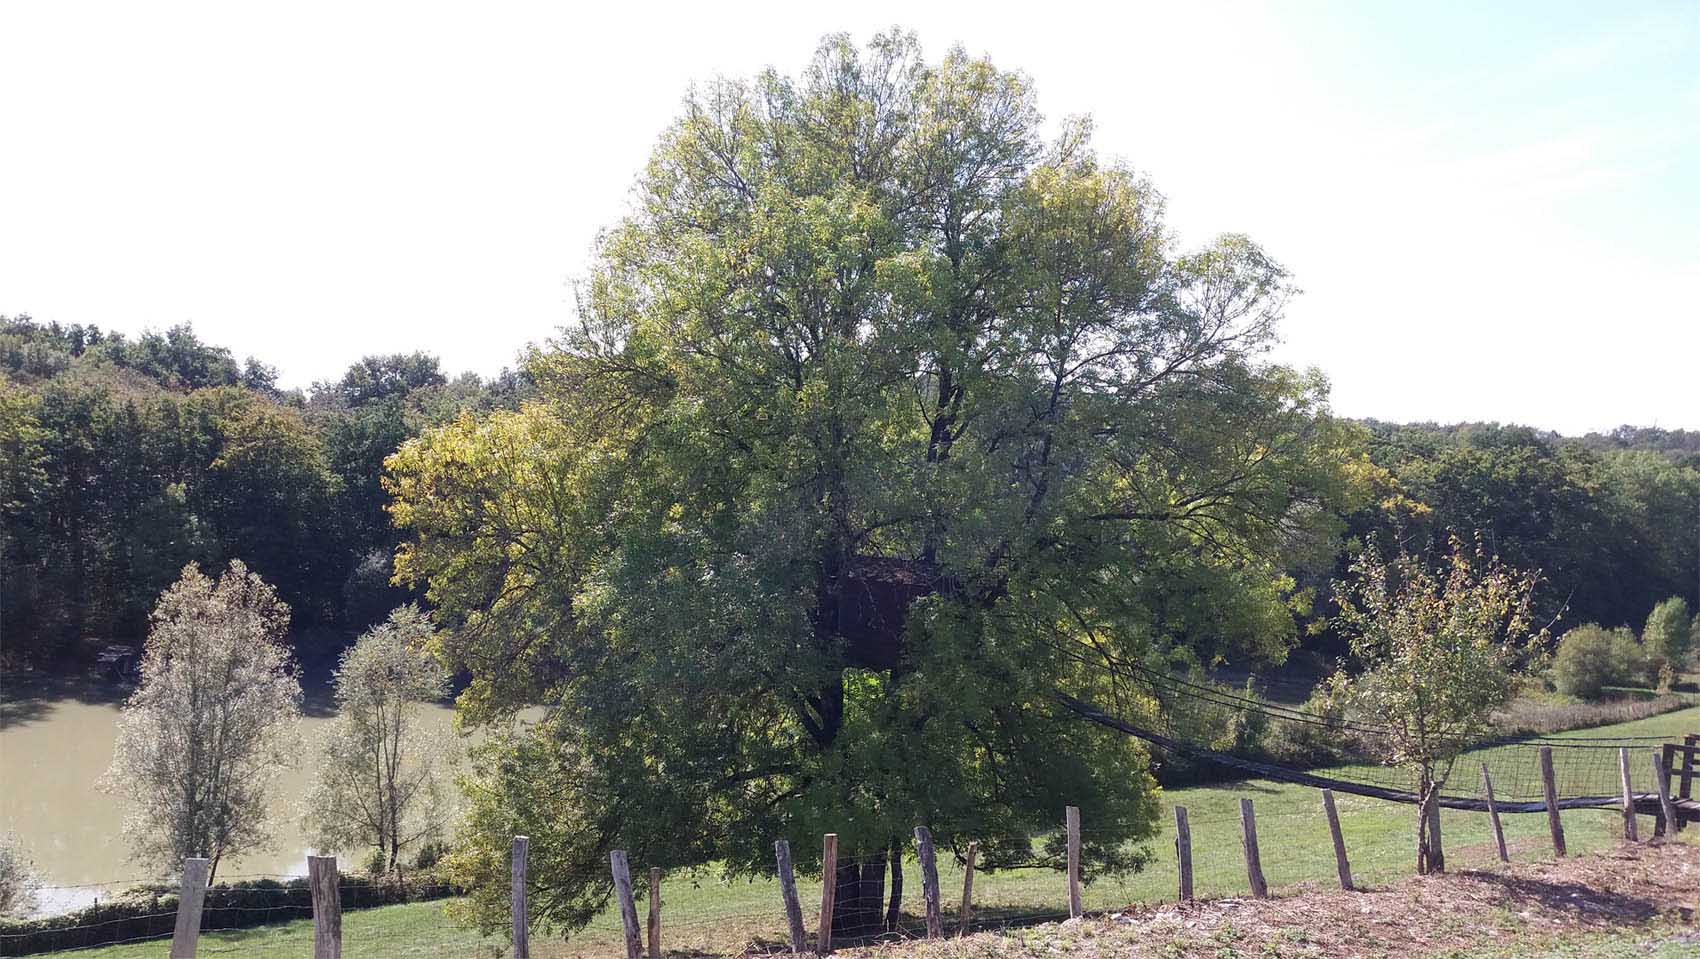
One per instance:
(884, 421)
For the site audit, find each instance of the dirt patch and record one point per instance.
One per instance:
(1634, 886)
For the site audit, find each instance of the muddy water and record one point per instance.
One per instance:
(55, 741)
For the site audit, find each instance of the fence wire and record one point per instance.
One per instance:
(706, 915)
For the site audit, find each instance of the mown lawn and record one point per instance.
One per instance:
(704, 914)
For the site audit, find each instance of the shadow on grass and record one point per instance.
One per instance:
(30, 697)
(1587, 901)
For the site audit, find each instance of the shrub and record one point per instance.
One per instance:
(18, 880)
(1668, 634)
(1294, 743)
(149, 912)
(1634, 666)
(429, 855)
(1590, 658)
(1246, 727)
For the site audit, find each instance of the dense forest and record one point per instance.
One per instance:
(122, 459)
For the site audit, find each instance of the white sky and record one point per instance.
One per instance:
(1494, 215)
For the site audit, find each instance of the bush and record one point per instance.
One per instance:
(1304, 744)
(1246, 727)
(1590, 658)
(150, 912)
(1226, 726)
(18, 881)
(1668, 634)
(1634, 666)
(429, 855)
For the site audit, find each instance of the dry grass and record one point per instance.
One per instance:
(1535, 718)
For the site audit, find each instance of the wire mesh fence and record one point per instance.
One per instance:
(706, 914)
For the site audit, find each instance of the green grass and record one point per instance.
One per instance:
(416, 929)
(1663, 941)
(706, 914)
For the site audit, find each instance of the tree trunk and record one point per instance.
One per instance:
(1436, 852)
(894, 911)
(861, 894)
(1430, 858)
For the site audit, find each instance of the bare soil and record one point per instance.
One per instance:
(1649, 893)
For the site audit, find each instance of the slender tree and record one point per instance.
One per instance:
(380, 778)
(211, 725)
(1666, 638)
(1440, 649)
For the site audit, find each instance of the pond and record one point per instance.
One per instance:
(56, 739)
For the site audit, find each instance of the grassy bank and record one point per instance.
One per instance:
(704, 914)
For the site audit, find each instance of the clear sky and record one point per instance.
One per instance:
(1493, 209)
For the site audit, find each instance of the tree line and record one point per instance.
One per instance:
(1611, 521)
(124, 459)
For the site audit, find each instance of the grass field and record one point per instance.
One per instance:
(704, 914)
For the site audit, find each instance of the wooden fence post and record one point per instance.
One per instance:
(187, 934)
(327, 906)
(628, 905)
(1692, 743)
(654, 912)
(1685, 789)
(1183, 852)
(1071, 818)
(1253, 861)
(1549, 789)
(828, 890)
(967, 918)
(788, 892)
(1341, 865)
(929, 881)
(1661, 785)
(1493, 816)
(1631, 830)
(517, 893)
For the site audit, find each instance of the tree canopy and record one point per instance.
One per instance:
(885, 419)
(1439, 649)
(122, 460)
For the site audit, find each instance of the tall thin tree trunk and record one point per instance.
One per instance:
(1436, 851)
(1430, 858)
(894, 911)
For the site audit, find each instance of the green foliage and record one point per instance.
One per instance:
(1440, 650)
(123, 460)
(386, 377)
(1595, 516)
(1304, 744)
(380, 775)
(1587, 661)
(1668, 635)
(885, 421)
